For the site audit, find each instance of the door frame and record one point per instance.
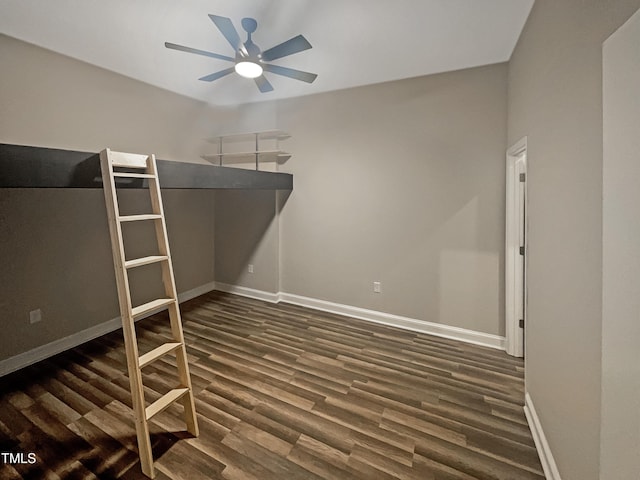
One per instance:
(515, 237)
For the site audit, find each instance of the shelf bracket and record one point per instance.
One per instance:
(257, 150)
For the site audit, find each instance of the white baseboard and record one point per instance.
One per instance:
(248, 292)
(478, 338)
(45, 351)
(544, 451)
(34, 355)
(446, 331)
(196, 292)
(406, 323)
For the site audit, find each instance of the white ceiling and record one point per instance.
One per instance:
(355, 42)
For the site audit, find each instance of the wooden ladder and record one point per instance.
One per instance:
(118, 164)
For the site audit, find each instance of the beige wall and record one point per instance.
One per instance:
(555, 99)
(54, 247)
(401, 183)
(55, 101)
(620, 425)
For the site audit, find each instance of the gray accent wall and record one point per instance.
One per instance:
(555, 99)
(247, 233)
(54, 244)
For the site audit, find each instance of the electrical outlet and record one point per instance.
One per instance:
(250, 269)
(377, 287)
(35, 316)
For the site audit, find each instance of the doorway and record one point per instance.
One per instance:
(516, 249)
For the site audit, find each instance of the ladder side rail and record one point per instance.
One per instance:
(188, 401)
(168, 278)
(169, 282)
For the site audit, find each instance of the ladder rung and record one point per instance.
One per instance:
(128, 160)
(133, 175)
(156, 353)
(164, 401)
(138, 262)
(148, 307)
(135, 218)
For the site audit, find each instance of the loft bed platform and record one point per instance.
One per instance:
(38, 167)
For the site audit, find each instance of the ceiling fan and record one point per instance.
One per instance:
(249, 60)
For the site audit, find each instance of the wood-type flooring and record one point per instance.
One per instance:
(282, 392)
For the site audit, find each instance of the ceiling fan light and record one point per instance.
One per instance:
(248, 69)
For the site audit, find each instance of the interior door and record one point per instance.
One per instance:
(521, 290)
(516, 249)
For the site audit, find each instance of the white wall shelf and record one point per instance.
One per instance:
(245, 157)
(253, 152)
(244, 137)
